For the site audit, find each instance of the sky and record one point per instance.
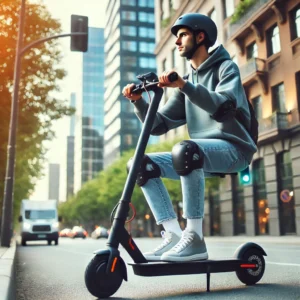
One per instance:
(62, 10)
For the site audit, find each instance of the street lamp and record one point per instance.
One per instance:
(81, 24)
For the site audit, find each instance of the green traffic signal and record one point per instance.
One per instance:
(245, 176)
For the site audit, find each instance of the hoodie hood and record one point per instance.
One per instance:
(215, 58)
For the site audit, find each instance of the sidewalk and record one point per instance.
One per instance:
(7, 272)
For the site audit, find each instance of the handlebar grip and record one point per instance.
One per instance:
(137, 89)
(173, 77)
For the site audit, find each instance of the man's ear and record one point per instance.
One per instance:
(200, 37)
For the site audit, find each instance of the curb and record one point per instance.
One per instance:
(7, 272)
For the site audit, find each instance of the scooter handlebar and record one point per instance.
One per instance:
(140, 88)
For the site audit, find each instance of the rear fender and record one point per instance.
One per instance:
(241, 250)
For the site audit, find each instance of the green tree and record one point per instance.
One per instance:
(38, 107)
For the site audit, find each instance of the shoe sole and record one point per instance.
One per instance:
(152, 258)
(202, 256)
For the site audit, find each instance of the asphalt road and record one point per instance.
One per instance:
(57, 272)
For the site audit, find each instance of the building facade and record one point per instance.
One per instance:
(70, 152)
(264, 41)
(129, 48)
(89, 126)
(53, 187)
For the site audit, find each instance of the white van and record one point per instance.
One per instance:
(39, 221)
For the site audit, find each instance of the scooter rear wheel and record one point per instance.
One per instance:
(252, 276)
(99, 283)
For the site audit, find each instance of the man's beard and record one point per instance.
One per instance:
(189, 53)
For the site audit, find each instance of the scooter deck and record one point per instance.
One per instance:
(192, 267)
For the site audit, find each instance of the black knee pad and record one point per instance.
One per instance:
(149, 169)
(186, 157)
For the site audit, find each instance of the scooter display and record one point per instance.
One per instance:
(107, 270)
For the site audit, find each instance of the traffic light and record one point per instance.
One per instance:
(245, 176)
(79, 24)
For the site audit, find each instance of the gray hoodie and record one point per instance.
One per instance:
(200, 98)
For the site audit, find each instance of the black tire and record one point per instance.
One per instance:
(252, 276)
(23, 242)
(49, 242)
(56, 242)
(99, 283)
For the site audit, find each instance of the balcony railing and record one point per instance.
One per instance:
(233, 28)
(253, 66)
(278, 120)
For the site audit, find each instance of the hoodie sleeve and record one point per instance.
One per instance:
(171, 115)
(228, 88)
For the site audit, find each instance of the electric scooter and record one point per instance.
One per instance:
(107, 270)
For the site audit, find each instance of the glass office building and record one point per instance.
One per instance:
(90, 124)
(129, 49)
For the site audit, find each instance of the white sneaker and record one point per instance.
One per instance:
(190, 247)
(170, 240)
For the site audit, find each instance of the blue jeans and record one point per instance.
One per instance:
(220, 156)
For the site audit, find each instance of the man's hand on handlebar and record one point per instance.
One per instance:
(165, 82)
(127, 92)
(167, 79)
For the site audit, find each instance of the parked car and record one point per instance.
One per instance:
(65, 232)
(78, 231)
(99, 232)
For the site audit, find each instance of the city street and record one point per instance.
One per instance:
(57, 272)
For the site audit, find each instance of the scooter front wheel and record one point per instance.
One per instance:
(100, 283)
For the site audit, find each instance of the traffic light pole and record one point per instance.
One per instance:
(7, 208)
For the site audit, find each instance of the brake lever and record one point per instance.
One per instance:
(140, 87)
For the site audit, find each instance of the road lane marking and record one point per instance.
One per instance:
(74, 252)
(282, 264)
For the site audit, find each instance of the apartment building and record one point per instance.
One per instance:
(264, 41)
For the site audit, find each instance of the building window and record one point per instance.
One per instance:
(146, 32)
(129, 76)
(295, 23)
(278, 98)
(286, 199)
(128, 2)
(257, 106)
(146, 17)
(147, 62)
(129, 30)
(261, 208)
(128, 15)
(273, 40)
(228, 6)
(146, 47)
(252, 51)
(146, 3)
(129, 61)
(129, 46)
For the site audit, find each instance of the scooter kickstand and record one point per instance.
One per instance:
(208, 280)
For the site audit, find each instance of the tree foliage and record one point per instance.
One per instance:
(37, 108)
(93, 204)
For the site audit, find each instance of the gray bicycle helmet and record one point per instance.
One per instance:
(197, 22)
